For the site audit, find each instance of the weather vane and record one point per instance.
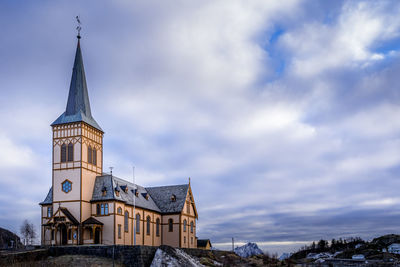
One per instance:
(78, 28)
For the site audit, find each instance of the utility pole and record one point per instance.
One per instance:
(134, 206)
(233, 244)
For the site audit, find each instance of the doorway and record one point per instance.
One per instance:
(97, 235)
(63, 231)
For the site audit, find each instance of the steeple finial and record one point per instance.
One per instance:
(78, 28)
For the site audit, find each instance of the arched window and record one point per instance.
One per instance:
(191, 226)
(106, 209)
(70, 152)
(119, 210)
(148, 225)
(158, 227)
(94, 156)
(98, 209)
(102, 209)
(89, 154)
(126, 222)
(138, 223)
(184, 225)
(170, 225)
(63, 153)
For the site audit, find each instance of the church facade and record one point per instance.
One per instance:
(87, 206)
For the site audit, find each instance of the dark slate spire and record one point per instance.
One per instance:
(78, 106)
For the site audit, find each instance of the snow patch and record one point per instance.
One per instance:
(170, 257)
(248, 250)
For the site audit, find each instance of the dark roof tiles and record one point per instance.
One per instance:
(162, 197)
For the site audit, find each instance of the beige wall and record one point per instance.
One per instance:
(60, 176)
(170, 238)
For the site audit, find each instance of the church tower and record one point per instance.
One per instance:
(77, 150)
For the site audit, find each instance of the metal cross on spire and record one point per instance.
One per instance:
(78, 28)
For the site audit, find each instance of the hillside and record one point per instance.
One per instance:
(8, 239)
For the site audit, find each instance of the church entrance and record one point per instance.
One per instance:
(97, 235)
(63, 234)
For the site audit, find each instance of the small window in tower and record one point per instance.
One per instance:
(184, 225)
(70, 152)
(63, 153)
(173, 198)
(49, 212)
(89, 154)
(191, 226)
(94, 156)
(66, 186)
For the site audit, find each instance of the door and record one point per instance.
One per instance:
(63, 230)
(97, 236)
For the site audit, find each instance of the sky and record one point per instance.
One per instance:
(285, 114)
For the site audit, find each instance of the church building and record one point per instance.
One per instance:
(87, 206)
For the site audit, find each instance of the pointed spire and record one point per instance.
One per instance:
(78, 99)
(78, 105)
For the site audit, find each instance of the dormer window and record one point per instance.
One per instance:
(135, 192)
(173, 198)
(124, 188)
(117, 191)
(104, 191)
(145, 195)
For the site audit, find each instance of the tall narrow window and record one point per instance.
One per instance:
(94, 156)
(63, 153)
(191, 226)
(170, 225)
(119, 231)
(102, 209)
(52, 234)
(126, 222)
(70, 152)
(49, 212)
(98, 209)
(106, 209)
(89, 154)
(148, 225)
(184, 225)
(138, 223)
(158, 227)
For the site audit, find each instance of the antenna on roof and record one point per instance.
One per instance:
(78, 28)
(189, 180)
(111, 168)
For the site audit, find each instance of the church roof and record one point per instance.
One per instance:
(78, 105)
(159, 198)
(69, 215)
(110, 184)
(162, 197)
(92, 220)
(49, 198)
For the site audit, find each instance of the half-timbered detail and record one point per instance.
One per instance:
(87, 206)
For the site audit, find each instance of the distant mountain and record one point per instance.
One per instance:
(248, 250)
(8, 239)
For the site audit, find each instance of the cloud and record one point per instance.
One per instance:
(283, 114)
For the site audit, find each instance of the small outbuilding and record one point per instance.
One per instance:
(204, 243)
